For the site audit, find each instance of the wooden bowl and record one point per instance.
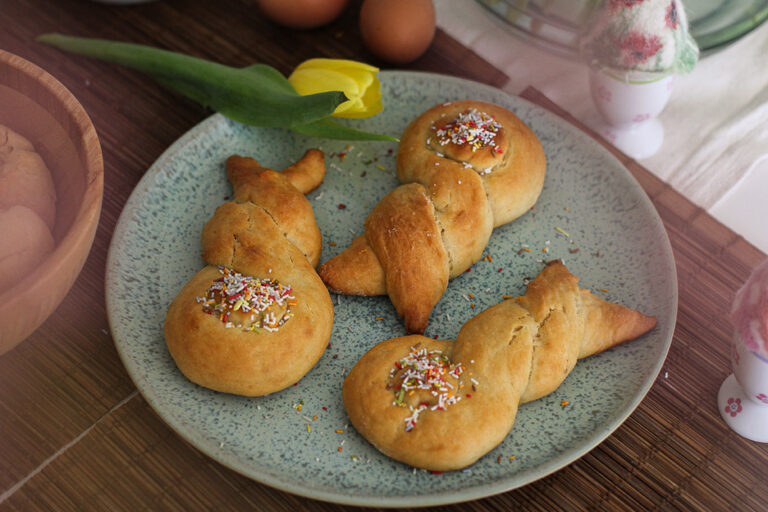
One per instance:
(37, 106)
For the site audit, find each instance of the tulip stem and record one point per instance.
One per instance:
(257, 95)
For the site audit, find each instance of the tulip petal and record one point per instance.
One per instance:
(369, 104)
(322, 80)
(336, 64)
(359, 84)
(362, 78)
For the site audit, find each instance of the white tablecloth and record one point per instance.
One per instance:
(716, 122)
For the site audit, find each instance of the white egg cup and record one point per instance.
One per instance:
(743, 396)
(629, 103)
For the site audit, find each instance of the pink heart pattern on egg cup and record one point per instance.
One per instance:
(743, 396)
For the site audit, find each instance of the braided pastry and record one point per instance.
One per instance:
(467, 167)
(442, 404)
(258, 317)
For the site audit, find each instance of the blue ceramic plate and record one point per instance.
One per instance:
(592, 214)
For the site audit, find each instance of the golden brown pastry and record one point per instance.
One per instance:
(24, 178)
(442, 404)
(25, 241)
(258, 317)
(467, 167)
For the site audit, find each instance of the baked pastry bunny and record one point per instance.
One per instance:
(442, 404)
(258, 317)
(467, 167)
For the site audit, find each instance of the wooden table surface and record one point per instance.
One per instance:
(76, 435)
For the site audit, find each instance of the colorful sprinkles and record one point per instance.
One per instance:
(426, 370)
(472, 127)
(255, 299)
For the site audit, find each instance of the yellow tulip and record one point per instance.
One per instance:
(358, 81)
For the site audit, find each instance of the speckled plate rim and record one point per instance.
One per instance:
(565, 458)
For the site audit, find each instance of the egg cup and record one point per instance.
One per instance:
(629, 103)
(743, 396)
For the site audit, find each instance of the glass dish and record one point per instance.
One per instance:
(555, 25)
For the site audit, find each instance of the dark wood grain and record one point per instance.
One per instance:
(77, 436)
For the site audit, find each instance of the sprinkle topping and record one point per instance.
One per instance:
(426, 370)
(257, 303)
(472, 127)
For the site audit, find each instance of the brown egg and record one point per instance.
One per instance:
(398, 31)
(302, 13)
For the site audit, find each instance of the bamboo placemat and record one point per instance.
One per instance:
(74, 433)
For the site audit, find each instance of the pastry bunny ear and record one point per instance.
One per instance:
(402, 254)
(572, 323)
(308, 172)
(280, 198)
(406, 238)
(605, 324)
(609, 324)
(355, 271)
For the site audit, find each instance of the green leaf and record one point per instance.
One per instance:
(257, 95)
(331, 129)
(269, 73)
